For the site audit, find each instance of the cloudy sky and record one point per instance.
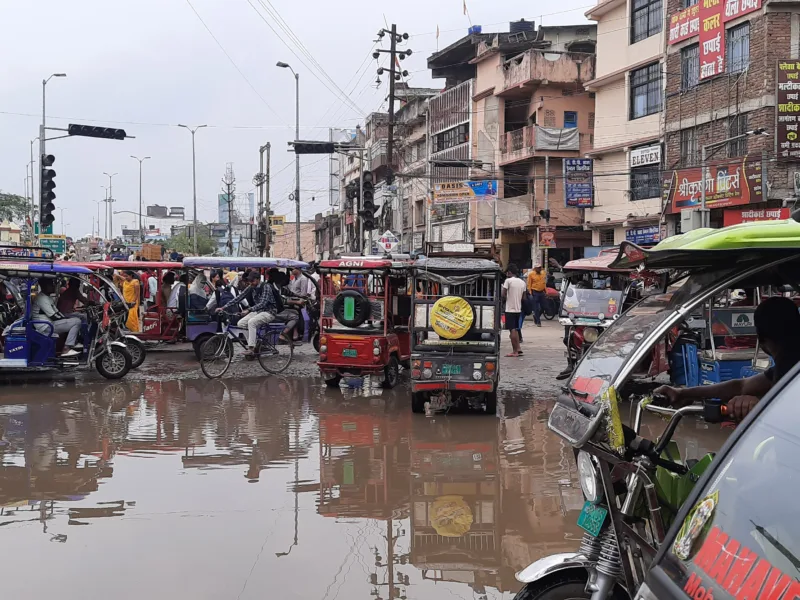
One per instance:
(148, 65)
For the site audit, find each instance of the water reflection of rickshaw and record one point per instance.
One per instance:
(456, 500)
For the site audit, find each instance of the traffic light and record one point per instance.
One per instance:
(313, 147)
(351, 192)
(47, 195)
(545, 214)
(108, 133)
(368, 201)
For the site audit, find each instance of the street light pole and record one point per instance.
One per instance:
(141, 160)
(42, 148)
(110, 200)
(705, 220)
(284, 65)
(194, 186)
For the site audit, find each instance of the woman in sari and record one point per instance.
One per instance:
(131, 291)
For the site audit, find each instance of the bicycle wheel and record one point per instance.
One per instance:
(273, 356)
(216, 354)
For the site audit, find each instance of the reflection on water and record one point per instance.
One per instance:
(227, 489)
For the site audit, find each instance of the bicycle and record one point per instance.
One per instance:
(273, 355)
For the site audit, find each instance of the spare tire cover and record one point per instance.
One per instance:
(351, 308)
(452, 317)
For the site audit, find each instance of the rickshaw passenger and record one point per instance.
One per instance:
(69, 296)
(44, 309)
(167, 282)
(285, 314)
(261, 299)
(777, 322)
(131, 291)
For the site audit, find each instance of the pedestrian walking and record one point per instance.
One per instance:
(537, 287)
(513, 289)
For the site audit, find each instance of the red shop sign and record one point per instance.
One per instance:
(727, 184)
(684, 24)
(734, 216)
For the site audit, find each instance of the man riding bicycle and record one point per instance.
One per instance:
(263, 308)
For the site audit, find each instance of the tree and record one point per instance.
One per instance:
(185, 244)
(13, 207)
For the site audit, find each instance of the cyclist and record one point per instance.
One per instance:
(260, 298)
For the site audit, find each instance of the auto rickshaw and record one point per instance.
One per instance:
(594, 295)
(364, 327)
(30, 344)
(455, 332)
(637, 489)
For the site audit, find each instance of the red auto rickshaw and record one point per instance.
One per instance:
(364, 324)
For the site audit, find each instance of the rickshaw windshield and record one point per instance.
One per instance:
(749, 507)
(582, 302)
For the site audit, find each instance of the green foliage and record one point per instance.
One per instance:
(13, 207)
(185, 245)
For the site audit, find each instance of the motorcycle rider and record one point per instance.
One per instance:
(777, 322)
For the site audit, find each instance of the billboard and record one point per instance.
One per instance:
(578, 182)
(787, 135)
(727, 184)
(734, 216)
(684, 24)
(642, 236)
(712, 39)
(464, 191)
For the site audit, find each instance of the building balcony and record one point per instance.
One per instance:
(525, 143)
(529, 69)
(512, 213)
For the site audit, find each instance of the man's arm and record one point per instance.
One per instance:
(265, 299)
(236, 300)
(757, 386)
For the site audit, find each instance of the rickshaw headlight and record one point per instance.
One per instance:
(376, 351)
(477, 375)
(601, 316)
(323, 349)
(590, 334)
(589, 478)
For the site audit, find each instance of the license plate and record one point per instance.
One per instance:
(592, 518)
(451, 369)
(350, 353)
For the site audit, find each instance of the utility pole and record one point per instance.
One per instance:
(228, 188)
(261, 181)
(194, 185)
(110, 206)
(141, 160)
(296, 195)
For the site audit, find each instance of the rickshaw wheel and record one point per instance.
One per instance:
(216, 355)
(490, 400)
(315, 341)
(114, 364)
(137, 351)
(418, 402)
(334, 381)
(273, 356)
(198, 342)
(568, 587)
(391, 373)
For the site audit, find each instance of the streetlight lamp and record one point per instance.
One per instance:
(141, 160)
(284, 65)
(110, 200)
(44, 113)
(194, 185)
(705, 220)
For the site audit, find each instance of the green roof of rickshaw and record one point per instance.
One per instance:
(758, 234)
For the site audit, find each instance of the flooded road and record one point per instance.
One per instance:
(276, 488)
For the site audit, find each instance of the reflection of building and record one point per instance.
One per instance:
(456, 498)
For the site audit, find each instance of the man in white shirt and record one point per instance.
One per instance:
(513, 290)
(301, 285)
(44, 309)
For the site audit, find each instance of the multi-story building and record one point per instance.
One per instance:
(412, 183)
(628, 132)
(731, 68)
(530, 112)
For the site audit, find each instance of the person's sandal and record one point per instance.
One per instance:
(285, 338)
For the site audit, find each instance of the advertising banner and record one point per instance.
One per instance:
(643, 236)
(578, 182)
(734, 216)
(712, 38)
(547, 236)
(684, 24)
(787, 136)
(464, 191)
(727, 184)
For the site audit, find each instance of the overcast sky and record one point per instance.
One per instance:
(148, 65)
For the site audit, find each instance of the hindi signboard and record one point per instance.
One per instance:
(56, 243)
(727, 184)
(712, 39)
(464, 191)
(578, 182)
(734, 216)
(547, 236)
(684, 24)
(787, 135)
(643, 236)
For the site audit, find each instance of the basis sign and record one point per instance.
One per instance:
(787, 136)
(727, 184)
(578, 182)
(734, 216)
(464, 191)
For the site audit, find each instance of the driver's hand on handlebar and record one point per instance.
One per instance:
(672, 394)
(739, 406)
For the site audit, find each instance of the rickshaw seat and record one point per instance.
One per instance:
(732, 354)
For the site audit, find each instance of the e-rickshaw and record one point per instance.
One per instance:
(31, 344)
(594, 295)
(455, 332)
(364, 327)
(636, 489)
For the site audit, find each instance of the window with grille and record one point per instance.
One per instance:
(485, 233)
(690, 67)
(646, 182)
(646, 18)
(737, 125)
(689, 147)
(591, 120)
(551, 184)
(646, 91)
(737, 48)
(688, 3)
(549, 118)
(570, 119)
(606, 237)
